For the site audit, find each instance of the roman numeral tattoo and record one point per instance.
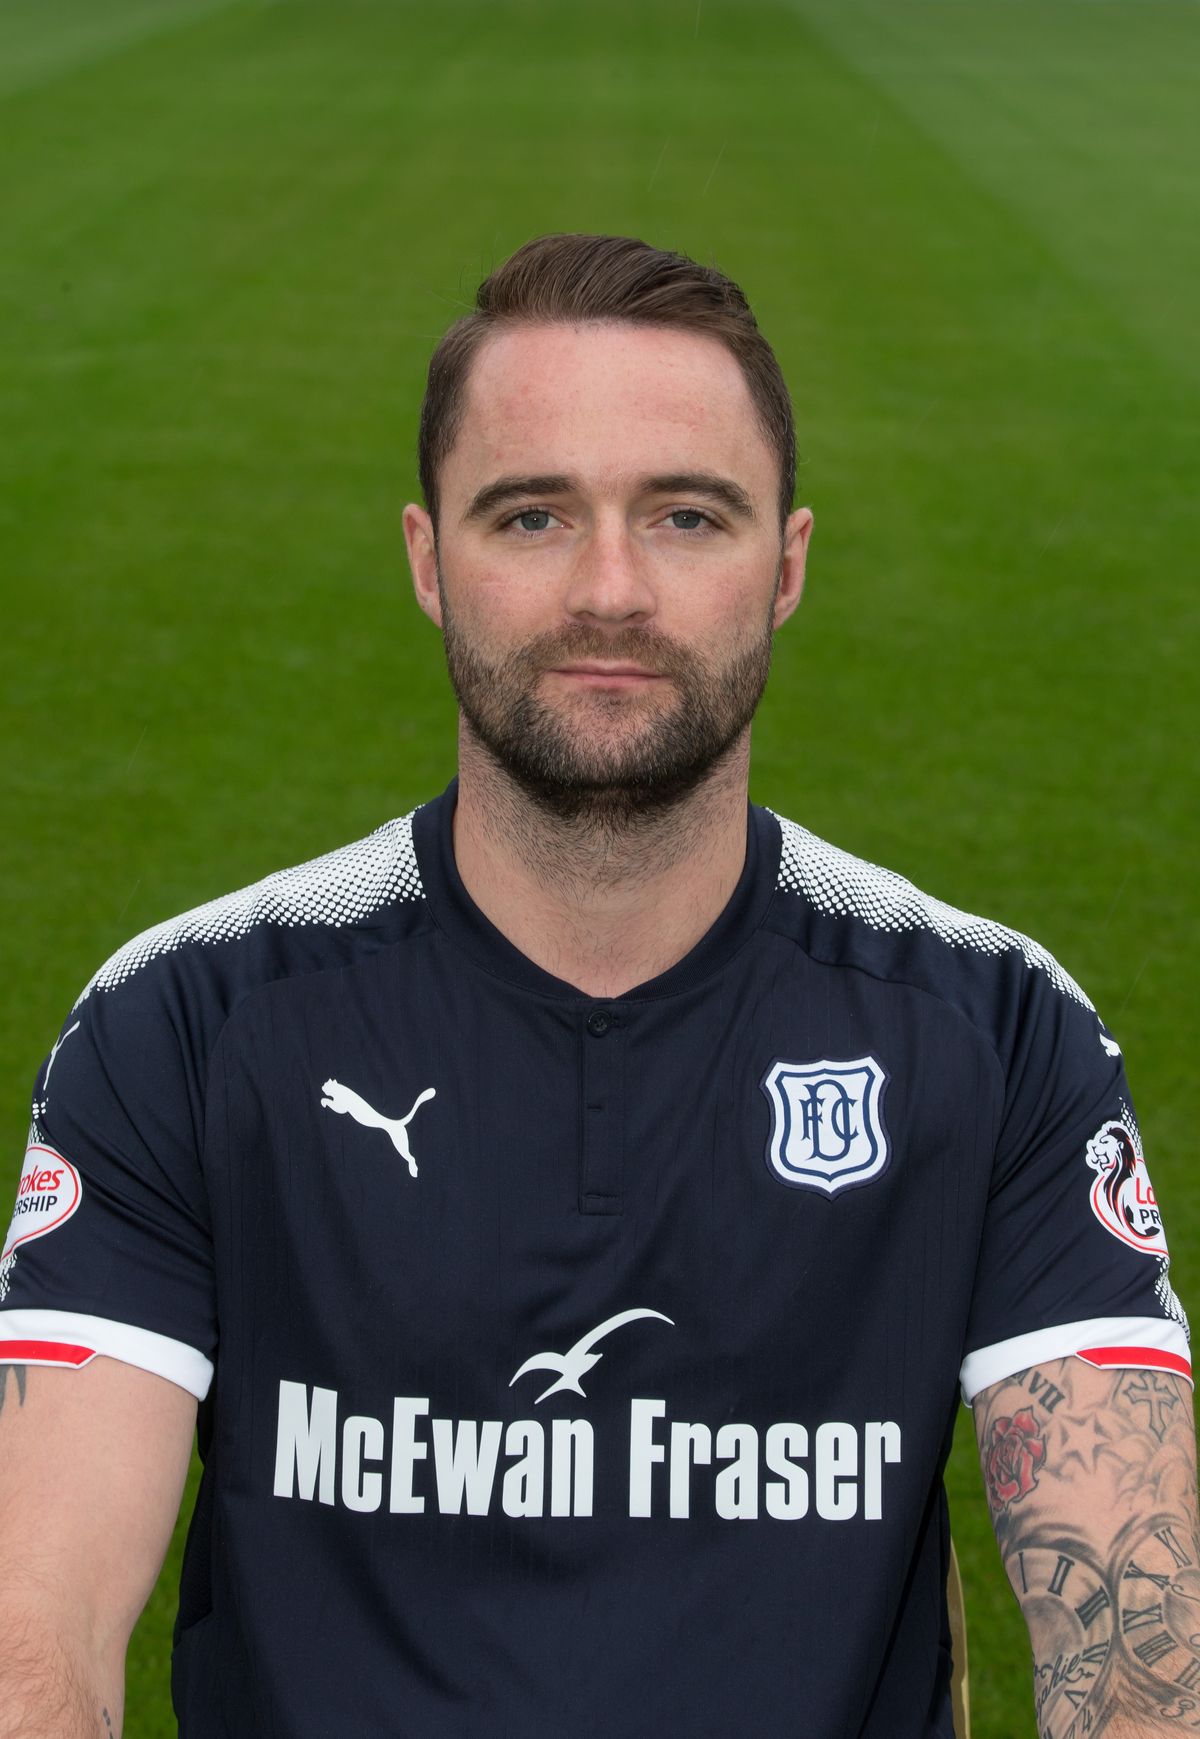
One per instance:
(1167, 1536)
(1155, 1647)
(1048, 1394)
(1061, 1571)
(1089, 1610)
(1134, 1617)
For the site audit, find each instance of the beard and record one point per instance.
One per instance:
(605, 758)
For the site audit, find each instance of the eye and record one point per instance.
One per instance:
(707, 522)
(705, 526)
(527, 513)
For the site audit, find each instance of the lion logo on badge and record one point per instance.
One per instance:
(1122, 1196)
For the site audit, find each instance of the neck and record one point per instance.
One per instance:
(603, 905)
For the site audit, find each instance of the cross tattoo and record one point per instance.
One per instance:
(1156, 1394)
(19, 1373)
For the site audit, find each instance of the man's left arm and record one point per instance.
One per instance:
(1091, 1480)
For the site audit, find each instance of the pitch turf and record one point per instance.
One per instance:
(233, 233)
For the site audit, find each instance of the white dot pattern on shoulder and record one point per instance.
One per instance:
(1169, 1301)
(338, 888)
(1130, 1122)
(835, 882)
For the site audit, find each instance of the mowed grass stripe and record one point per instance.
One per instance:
(40, 39)
(1104, 169)
(264, 222)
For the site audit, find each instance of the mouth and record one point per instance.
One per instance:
(596, 674)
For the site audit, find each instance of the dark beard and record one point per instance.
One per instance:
(610, 788)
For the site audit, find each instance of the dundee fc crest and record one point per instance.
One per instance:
(827, 1128)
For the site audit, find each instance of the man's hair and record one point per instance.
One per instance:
(603, 277)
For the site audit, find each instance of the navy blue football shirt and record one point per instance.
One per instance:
(577, 1365)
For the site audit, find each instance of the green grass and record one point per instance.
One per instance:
(233, 234)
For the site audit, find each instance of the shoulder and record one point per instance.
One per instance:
(124, 1090)
(298, 919)
(846, 911)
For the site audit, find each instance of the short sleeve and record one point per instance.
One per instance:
(1074, 1257)
(109, 1250)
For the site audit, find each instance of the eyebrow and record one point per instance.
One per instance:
(731, 495)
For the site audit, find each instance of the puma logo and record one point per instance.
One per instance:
(54, 1050)
(343, 1100)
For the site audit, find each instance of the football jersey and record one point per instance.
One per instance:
(574, 1364)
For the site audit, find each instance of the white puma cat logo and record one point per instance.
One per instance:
(342, 1099)
(54, 1050)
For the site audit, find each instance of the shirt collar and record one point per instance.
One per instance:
(461, 920)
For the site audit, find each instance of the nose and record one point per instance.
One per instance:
(610, 580)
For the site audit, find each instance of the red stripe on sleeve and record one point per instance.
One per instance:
(44, 1352)
(1137, 1357)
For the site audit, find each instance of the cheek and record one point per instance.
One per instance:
(491, 603)
(716, 618)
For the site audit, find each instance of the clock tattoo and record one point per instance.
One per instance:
(1065, 1598)
(1157, 1586)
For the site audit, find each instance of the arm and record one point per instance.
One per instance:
(92, 1469)
(1091, 1481)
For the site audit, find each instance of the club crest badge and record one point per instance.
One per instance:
(827, 1128)
(1122, 1196)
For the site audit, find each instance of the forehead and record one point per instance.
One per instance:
(606, 400)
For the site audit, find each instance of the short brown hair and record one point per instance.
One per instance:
(603, 277)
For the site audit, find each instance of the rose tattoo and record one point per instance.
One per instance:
(1014, 1456)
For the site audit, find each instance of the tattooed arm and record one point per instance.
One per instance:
(92, 1466)
(1091, 1480)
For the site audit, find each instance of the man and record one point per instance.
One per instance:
(576, 1206)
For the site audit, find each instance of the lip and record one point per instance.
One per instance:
(608, 673)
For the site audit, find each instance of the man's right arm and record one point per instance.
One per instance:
(92, 1470)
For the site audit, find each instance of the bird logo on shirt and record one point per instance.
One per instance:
(578, 1360)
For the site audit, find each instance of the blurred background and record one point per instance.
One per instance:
(233, 231)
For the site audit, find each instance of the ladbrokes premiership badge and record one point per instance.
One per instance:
(827, 1129)
(1122, 1196)
(48, 1194)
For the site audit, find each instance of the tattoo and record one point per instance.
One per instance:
(1061, 1585)
(1013, 1456)
(18, 1372)
(1158, 1395)
(1069, 1680)
(108, 1726)
(1093, 1499)
(1049, 1394)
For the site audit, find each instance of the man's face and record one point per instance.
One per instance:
(608, 616)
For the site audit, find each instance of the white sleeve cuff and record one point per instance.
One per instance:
(1108, 1342)
(60, 1337)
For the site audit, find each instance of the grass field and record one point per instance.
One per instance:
(232, 235)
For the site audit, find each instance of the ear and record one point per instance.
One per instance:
(422, 559)
(791, 575)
